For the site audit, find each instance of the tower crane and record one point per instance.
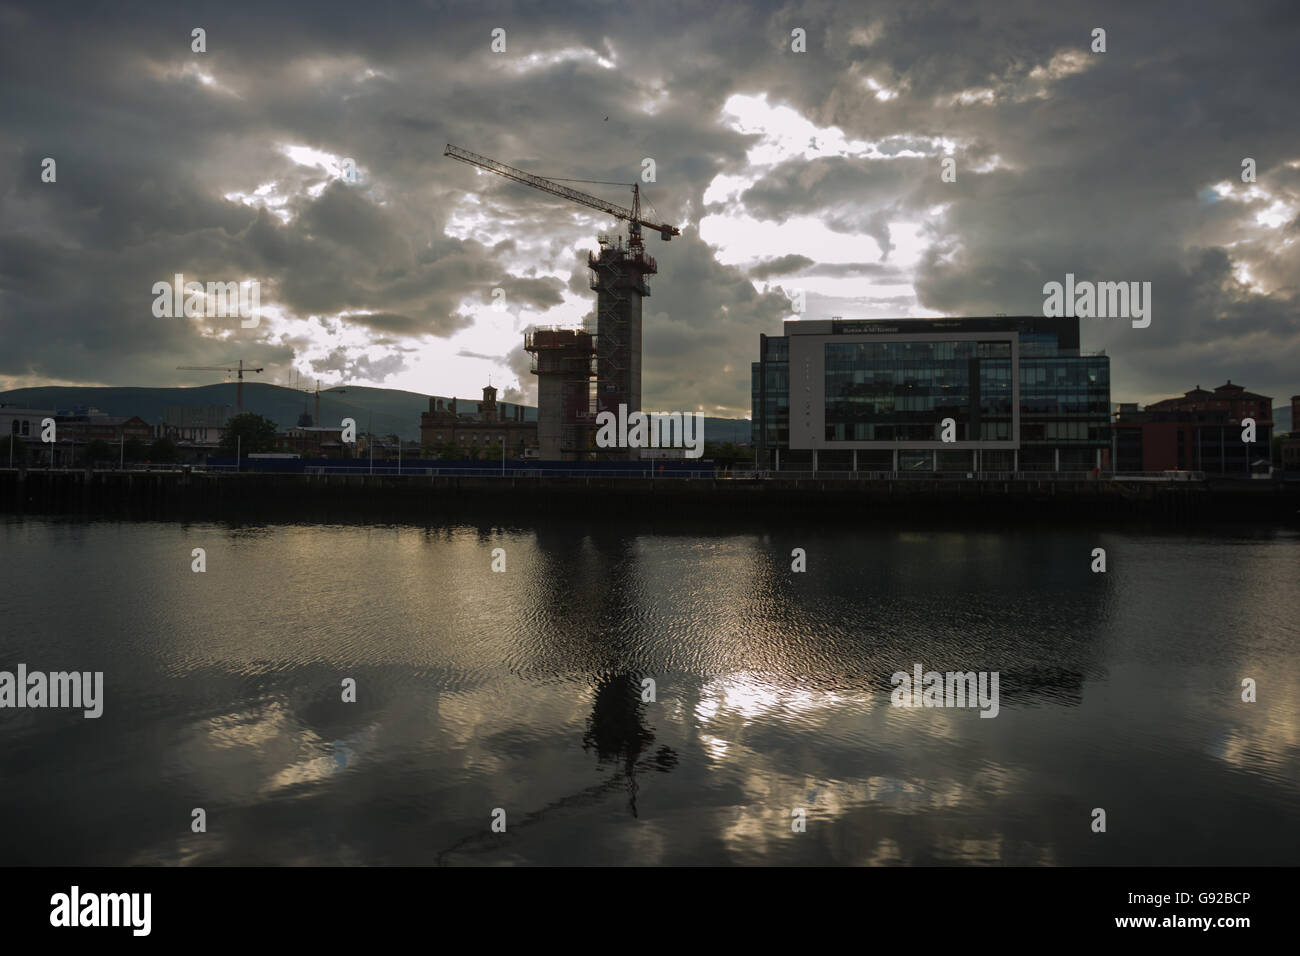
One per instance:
(316, 420)
(631, 216)
(565, 403)
(239, 391)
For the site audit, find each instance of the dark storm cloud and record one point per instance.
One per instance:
(796, 187)
(541, 294)
(701, 331)
(387, 322)
(780, 266)
(882, 273)
(1094, 164)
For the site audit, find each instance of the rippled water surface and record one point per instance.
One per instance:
(523, 691)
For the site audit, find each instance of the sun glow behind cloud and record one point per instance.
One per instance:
(740, 238)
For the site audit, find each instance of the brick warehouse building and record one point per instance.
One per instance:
(1200, 431)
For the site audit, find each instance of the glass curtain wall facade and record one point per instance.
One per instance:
(770, 386)
(1065, 408)
(896, 393)
(901, 391)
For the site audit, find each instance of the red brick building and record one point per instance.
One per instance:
(1233, 399)
(1200, 431)
(312, 442)
(1291, 447)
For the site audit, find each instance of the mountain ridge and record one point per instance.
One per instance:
(393, 411)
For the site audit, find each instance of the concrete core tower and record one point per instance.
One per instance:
(618, 277)
(562, 362)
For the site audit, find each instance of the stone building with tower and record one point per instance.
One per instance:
(485, 426)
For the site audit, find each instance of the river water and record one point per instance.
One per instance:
(521, 695)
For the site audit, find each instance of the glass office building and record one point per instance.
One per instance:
(984, 394)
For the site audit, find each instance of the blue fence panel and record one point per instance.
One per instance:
(659, 468)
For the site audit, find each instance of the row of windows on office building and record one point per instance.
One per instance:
(1052, 431)
(1062, 398)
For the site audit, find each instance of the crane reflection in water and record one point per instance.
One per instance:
(617, 731)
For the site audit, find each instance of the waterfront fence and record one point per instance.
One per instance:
(621, 470)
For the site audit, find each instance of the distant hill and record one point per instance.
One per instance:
(395, 411)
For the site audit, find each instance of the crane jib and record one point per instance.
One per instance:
(564, 192)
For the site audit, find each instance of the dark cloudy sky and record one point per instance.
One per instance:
(818, 171)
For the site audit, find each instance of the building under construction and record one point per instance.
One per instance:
(564, 361)
(562, 358)
(618, 278)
